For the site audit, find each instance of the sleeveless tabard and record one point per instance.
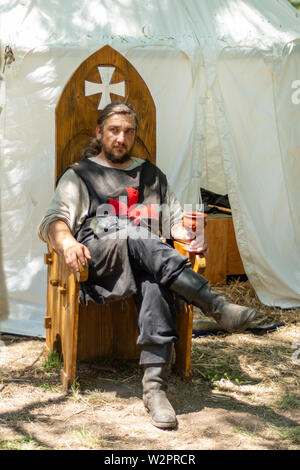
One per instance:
(116, 198)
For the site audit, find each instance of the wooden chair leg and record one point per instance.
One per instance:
(69, 306)
(62, 317)
(185, 320)
(183, 347)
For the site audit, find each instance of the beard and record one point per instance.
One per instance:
(113, 158)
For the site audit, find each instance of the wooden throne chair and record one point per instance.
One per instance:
(95, 332)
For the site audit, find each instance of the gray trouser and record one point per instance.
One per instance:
(155, 266)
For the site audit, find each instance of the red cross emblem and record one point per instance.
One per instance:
(133, 210)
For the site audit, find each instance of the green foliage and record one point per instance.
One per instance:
(288, 433)
(289, 402)
(52, 362)
(295, 4)
(224, 371)
(23, 443)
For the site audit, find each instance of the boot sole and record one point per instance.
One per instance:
(243, 327)
(162, 425)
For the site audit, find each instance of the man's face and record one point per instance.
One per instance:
(117, 137)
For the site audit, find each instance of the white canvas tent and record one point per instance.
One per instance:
(221, 74)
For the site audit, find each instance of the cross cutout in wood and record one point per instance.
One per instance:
(105, 88)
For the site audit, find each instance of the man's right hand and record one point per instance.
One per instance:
(64, 242)
(74, 252)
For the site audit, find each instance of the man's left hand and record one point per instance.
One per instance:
(196, 239)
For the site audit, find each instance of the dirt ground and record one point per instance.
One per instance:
(244, 394)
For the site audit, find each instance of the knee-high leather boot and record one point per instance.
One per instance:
(155, 359)
(194, 289)
(155, 398)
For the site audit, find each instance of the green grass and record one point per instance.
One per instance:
(284, 433)
(289, 402)
(243, 430)
(291, 434)
(225, 371)
(87, 437)
(52, 362)
(24, 443)
(50, 387)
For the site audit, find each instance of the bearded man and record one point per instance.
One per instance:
(108, 210)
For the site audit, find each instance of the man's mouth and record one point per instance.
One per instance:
(120, 147)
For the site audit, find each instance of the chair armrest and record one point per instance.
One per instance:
(197, 260)
(55, 257)
(83, 274)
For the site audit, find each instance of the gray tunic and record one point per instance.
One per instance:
(70, 203)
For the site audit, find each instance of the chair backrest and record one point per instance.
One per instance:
(103, 77)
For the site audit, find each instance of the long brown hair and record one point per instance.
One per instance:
(116, 107)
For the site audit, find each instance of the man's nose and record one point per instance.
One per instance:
(121, 137)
